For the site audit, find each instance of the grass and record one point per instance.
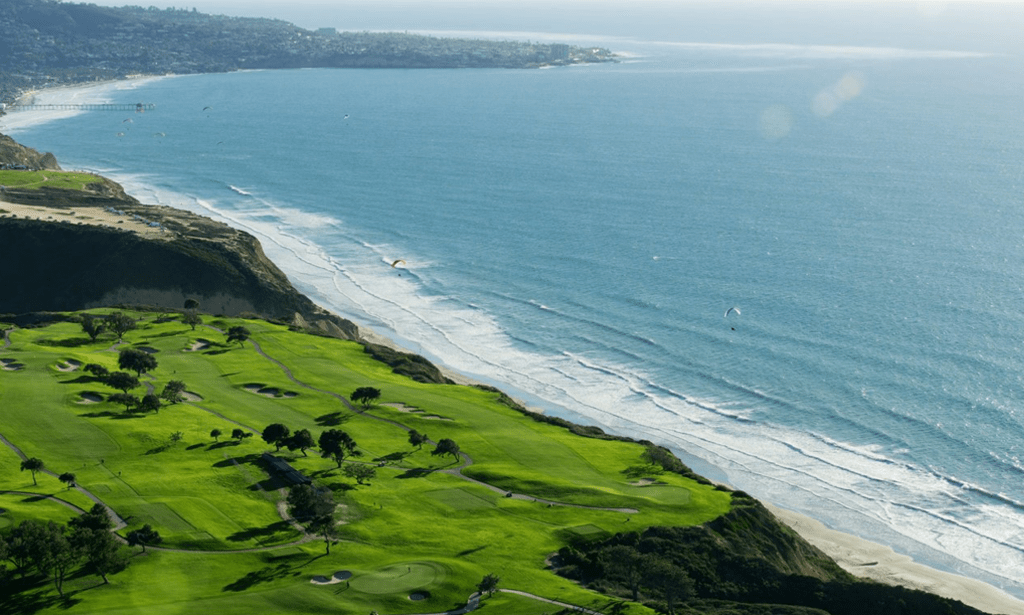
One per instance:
(417, 526)
(33, 180)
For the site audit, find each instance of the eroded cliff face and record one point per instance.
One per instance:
(88, 257)
(12, 152)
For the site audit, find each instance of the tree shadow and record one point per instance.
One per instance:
(257, 533)
(195, 446)
(396, 456)
(332, 419)
(256, 577)
(417, 473)
(81, 379)
(471, 551)
(223, 444)
(98, 415)
(340, 487)
(159, 449)
(71, 342)
(271, 484)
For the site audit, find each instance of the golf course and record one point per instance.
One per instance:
(415, 531)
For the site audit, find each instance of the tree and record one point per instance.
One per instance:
(149, 403)
(417, 439)
(361, 472)
(127, 399)
(365, 396)
(68, 479)
(191, 304)
(54, 555)
(446, 446)
(120, 323)
(673, 582)
(337, 445)
(97, 370)
(489, 584)
(240, 434)
(173, 391)
(145, 536)
(136, 360)
(21, 544)
(306, 502)
(301, 440)
(276, 434)
(192, 319)
(122, 381)
(325, 527)
(101, 551)
(96, 518)
(33, 465)
(627, 562)
(176, 436)
(92, 326)
(215, 433)
(238, 334)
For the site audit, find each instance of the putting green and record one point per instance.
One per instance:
(399, 578)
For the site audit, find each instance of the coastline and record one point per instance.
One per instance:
(859, 556)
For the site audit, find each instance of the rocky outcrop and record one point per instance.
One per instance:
(13, 153)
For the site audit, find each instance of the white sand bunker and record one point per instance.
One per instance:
(643, 482)
(413, 410)
(11, 365)
(147, 349)
(198, 346)
(89, 397)
(337, 577)
(262, 389)
(68, 365)
(190, 396)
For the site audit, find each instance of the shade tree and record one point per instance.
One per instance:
(92, 326)
(68, 479)
(33, 465)
(276, 434)
(174, 391)
(128, 400)
(337, 445)
(119, 323)
(300, 441)
(138, 361)
(447, 446)
(150, 402)
(239, 334)
(417, 439)
(144, 536)
(215, 434)
(365, 396)
(122, 381)
(360, 471)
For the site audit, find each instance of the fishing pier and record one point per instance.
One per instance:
(137, 107)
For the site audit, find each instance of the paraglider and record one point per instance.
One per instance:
(731, 310)
(395, 263)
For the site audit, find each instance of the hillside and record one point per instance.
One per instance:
(45, 43)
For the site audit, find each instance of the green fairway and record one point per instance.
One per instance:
(419, 526)
(53, 179)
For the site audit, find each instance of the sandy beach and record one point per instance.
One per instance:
(858, 556)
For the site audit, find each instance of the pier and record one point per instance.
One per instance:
(137, 107)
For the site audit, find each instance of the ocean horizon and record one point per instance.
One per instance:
(579, 237)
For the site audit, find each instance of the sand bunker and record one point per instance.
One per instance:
(262, 389)
(190, 396)
(337, 577)
(147, 349)
(68, 365)
(198, 346)
(90, 398)
(413, 410)
(11, 365)
(643, 482)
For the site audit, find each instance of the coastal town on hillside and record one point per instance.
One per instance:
(46, 44)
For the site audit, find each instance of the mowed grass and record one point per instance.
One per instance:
(418, 526)
(69, 180)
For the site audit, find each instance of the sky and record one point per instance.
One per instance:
(970, 25)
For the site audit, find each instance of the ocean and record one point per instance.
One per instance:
(578, 236)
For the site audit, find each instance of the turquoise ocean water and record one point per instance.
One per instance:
(576, 236)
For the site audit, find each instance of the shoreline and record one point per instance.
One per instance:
(851, 552)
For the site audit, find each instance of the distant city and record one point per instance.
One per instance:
(45, 43)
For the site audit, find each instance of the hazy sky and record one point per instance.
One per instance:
(966, 25)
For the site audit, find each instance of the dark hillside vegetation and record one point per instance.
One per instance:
(746, 562)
